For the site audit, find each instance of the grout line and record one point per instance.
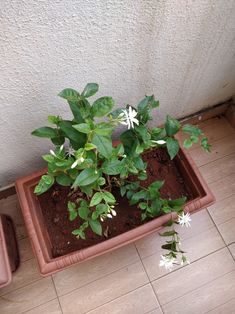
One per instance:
(219, 306)
(148, 278)
(25, 312)
(196, 260)
(198, 288)
(52, 279)
(122, 295)
(211, 161)
(189, 291)
(99, 278)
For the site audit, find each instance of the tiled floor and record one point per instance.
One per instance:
(129, 280)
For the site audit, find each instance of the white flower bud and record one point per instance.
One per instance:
(109, 216)
(52, 153)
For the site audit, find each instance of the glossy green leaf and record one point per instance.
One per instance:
(172, 147)
(96, 199)
(112, 167)
(69, 94)
(103, 144)
(44, 184)
(82, 127)
(63, 179)
(172, 126)
(90, 90)
(108, 197)
(102, 106)
(45, 132)
(95, 226)
(86, 177)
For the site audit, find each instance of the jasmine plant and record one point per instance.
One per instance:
(85, 160)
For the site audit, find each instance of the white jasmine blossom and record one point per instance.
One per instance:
(109, 216)
(70, 151)
(184, 219)
(101, 219)
(127, 117)
(159, 142)
(52, 153)
(167, 262)
(76, 162)
(113, 212)
(61, 148)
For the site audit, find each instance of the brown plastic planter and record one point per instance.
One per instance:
(9, 255)
(40, 240)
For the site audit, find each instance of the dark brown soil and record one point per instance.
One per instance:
(54, 207)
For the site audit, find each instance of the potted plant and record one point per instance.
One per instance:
(97, 195)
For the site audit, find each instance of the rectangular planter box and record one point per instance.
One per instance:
(202, 197)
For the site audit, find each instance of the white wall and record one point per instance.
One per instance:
(182, 50)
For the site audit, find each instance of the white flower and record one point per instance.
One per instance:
(127, 117)
(101, 218)
(61, 148)
(113, 212)
(184, 220)
(159, 142)
(76, 162)
(167, 262)
(70, 151)
(109, 216)
(52, 153)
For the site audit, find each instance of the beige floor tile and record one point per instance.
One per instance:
(139, 301)
(25, 249)
(156, 311)
(223, 188)
(223, 211)
(204, 298)
(11, 207)
(219, 149)
(218, 169)
(28, 297)
(227, 230)
(51, 307)
(25, 274)
(232, 249)
(195, 247)
(82, 274)
(227, 308)
(104, 290)
(189, 278)
(201, 221)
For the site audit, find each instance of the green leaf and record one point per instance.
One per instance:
(59, 140)
(138, 196)
(112, 167)
(76, 111)
(79, 233)
(101, 181)
(103, 144)
(172, 126)
(86, 177)
(177, 202)
(108, 197)
(96, 226)
(96, 199)
(205, 145)
(157, 185)
(100, 209)
(187, 143)
(44, 184)
(83, 210)
(168, 233)
(194, 138)
(49, 158)
(77, 139)
(72, 215)
(82, 127)
(103, 129)
(142, 205)
(102, 106)
(63, 179)
(69, 94)
(54, 119)
(172, 147)
(89, 146)
(90, 90)
(192, 129)
(45, 132)
(71, 206)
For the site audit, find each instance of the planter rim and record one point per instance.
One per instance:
(49, 265)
